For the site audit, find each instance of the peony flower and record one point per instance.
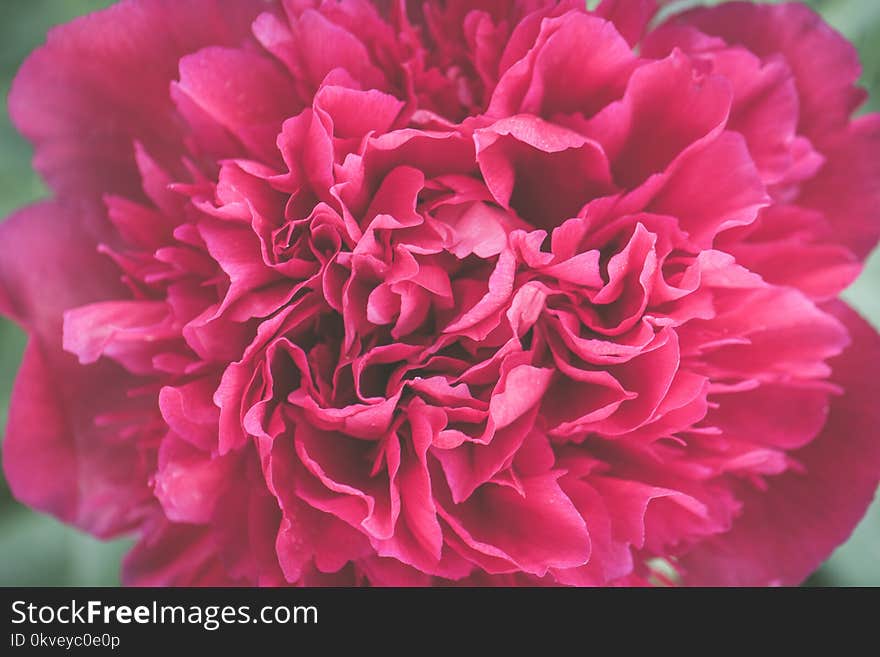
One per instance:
(504, 292)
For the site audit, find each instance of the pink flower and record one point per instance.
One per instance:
(344, 292)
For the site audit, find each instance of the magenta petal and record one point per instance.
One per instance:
(714, 189)
(40, 246)
(58, 459)
(847, 188)
(306, 536)
(630, 17)
(58, 455)
(786, 531)
(825, 65)
(346, 490)
(189, 482)
(537, 529)
(668, 106)
(581, 67)
(116, 84)
(355, 113)
(130, 332)
(547, 173)
(324, 46)
(244, 92)
(171, 554)
(190, 411)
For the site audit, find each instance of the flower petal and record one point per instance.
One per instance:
(786, 531)
(110, 71)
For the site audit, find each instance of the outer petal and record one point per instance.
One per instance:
(825, 68)
(825, 65)
(172, 554)
(62, 450)
(785, 532)
(110, 71)
(629, 17)
(847, 188)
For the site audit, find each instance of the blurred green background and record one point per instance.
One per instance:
(37, 550)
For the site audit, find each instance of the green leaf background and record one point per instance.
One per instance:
(36, 550)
